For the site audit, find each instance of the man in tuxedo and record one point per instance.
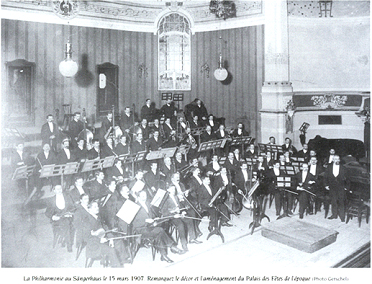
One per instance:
(145, 129)
(50, 133)
(179, 161)
(240, 131)
(251, 152)
(169, 110)
(95, 152)
(155, 142)
(106, 125)
(168, 128)
(97, 188)
(152, 177)
(138, 145)
(74, 128)
(80, 152)
(20, 157)
(167, 169)
(335, 181)
(321, 194)
(77, 190)
(281, 198)
(65, 155)
(304, 180)
(329, 159)
(123, 146)
(232, 164)
(148, 111)
(127, 120)
(212, 123)
(304, 153)
(287, 146)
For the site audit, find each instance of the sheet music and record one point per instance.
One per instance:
(158, 198)
(138, 186)
(128, 211)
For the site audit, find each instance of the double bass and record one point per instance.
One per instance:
(86, 134)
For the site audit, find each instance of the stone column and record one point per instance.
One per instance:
(276, 90)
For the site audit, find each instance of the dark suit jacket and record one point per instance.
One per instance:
(153, 145)
(170, 206)
(75, 128)
(137, 147)
(244, 133)
(17, 161)
(338, 183)
(215, 126)
(106, 152)
(95, 190)
(291, 148)
(75, 194)
(93, 154)
(167, 130)
(142, 215)
(52, 208)
(121, 149)
(62, 157)
(306, 155)
(168, 110)
(80, 154)
(147, 112)
(204, 197)
(46, 133)
(41, 159)
(207, 137)
(305, 184)
(151, 178)
(126, 122)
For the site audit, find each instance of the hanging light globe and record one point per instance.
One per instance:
(220, 73)
(68, 67)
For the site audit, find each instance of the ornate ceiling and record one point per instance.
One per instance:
(135, 15)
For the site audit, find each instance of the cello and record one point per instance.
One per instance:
(86, 134)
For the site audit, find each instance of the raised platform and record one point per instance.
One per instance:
(299, 235)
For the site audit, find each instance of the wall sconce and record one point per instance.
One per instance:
(68, 67)
(142, 69)
(205, 68)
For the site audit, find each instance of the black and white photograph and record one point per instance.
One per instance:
(193, 141)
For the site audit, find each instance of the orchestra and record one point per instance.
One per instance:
(215, 183)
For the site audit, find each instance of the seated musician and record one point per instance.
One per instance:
(269, 160)
(240, 131)
(138, 145)
(167, 169)
(65, 155)
(106, 127)
(122, 147)
(251, 152)
(238, 157)
(205, 194)
(155, 142)
(96, 189)
(190, 140)
(179, 162)
(77, 190)
(194, 123)
(221, 133)
(124, 195)
(45, 157)
(224, 180)
(127, 120)
(182, 125)
(20, 157)
(304, 153)
(80, 215)
(95, 152)
(152, 177)
(287, 146)
(189, 202)
(242, 178)
(98, 243)
(283, 160)
(213, 167)
(138, 184)
(145, 223)
(232, 164)
(158, 127)
(287, 156)
(260, 165)
(60, 212)
(167, 128)
(305, 180)
(200, 111)
(271, 140)
(117, 172)
(108, 148)
(208, 135)
(80, 152)
(212, 123)
(174, 209)
(108, 206)
(145, 129)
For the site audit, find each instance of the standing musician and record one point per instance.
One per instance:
(304, 153)
(80, 152)
(152, 177)
(98, 244)
(305, 181)
(321, 194)
(123, 146)
(59, 211)
(148, 111)
(200, 111)
(155, 142)
(145, 223)
(169, 110)
(127, 120)
(50, 133)
(74, 128)
(329, 159)
(281, 198)
(106, 128)
(95, 152)
(108, 149)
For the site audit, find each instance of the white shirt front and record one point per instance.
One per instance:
(208, 189)
(336, 170)
(60, 202)
(245, 175)
(313, 169)
(67, 151)
(51, 126)
(304, 175)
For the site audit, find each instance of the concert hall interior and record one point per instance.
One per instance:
(173, 133)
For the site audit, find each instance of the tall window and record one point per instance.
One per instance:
(174, 53)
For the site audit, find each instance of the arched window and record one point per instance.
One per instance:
(174, 56)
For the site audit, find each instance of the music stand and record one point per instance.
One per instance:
(251, 161)
(284, 181)
(290, 170)
(129, 159)
(296, 166)
(205, 146)
(160, 154)
(128, 211)
(24, 172)
(222, 161)
(59, 170)
(159, 198)
(303, 128)
(262, 147)
(242, 140)
(274, 149)
(166, 96)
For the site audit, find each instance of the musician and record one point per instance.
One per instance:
(74, 128)
(200, 111)
(123, 147)
(65, 155)
(304, 153)
(80, 152)
(108, 149)
(173, 207)
(251, 152)
(98, 245)
(59, 211)
(96, 189)
(124, 195)
(145, 224)
(50, 133)
(194, 123)
(272, 140)
(108, 208)
(155, 142)
(269, 161)
(222, 134)
(238, 158)
(152, 177)
(313, 153)
(179, 162)
(287, 158)
(168, 128)
(280, 199)
(127, 120)
(138, 145)
(194, 184)
(287, 146)
(167, 169)
(148, 111)
(304, 180)
(335, 181)
(77, 190)
(260, 166)
(117, 172)
(182, 125)
(283, 160)
(106, 127)
(95, 152)
(212, 123)
(232, 164)
(80, 215)
(213, 167)
(208, 135)
(329, 159)
(190, 140)
(242, 178)
(45, 157)
(20, 157)
(223, 179)
(145, 129)
(138, 184)
(169, 110)
(240, 131)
